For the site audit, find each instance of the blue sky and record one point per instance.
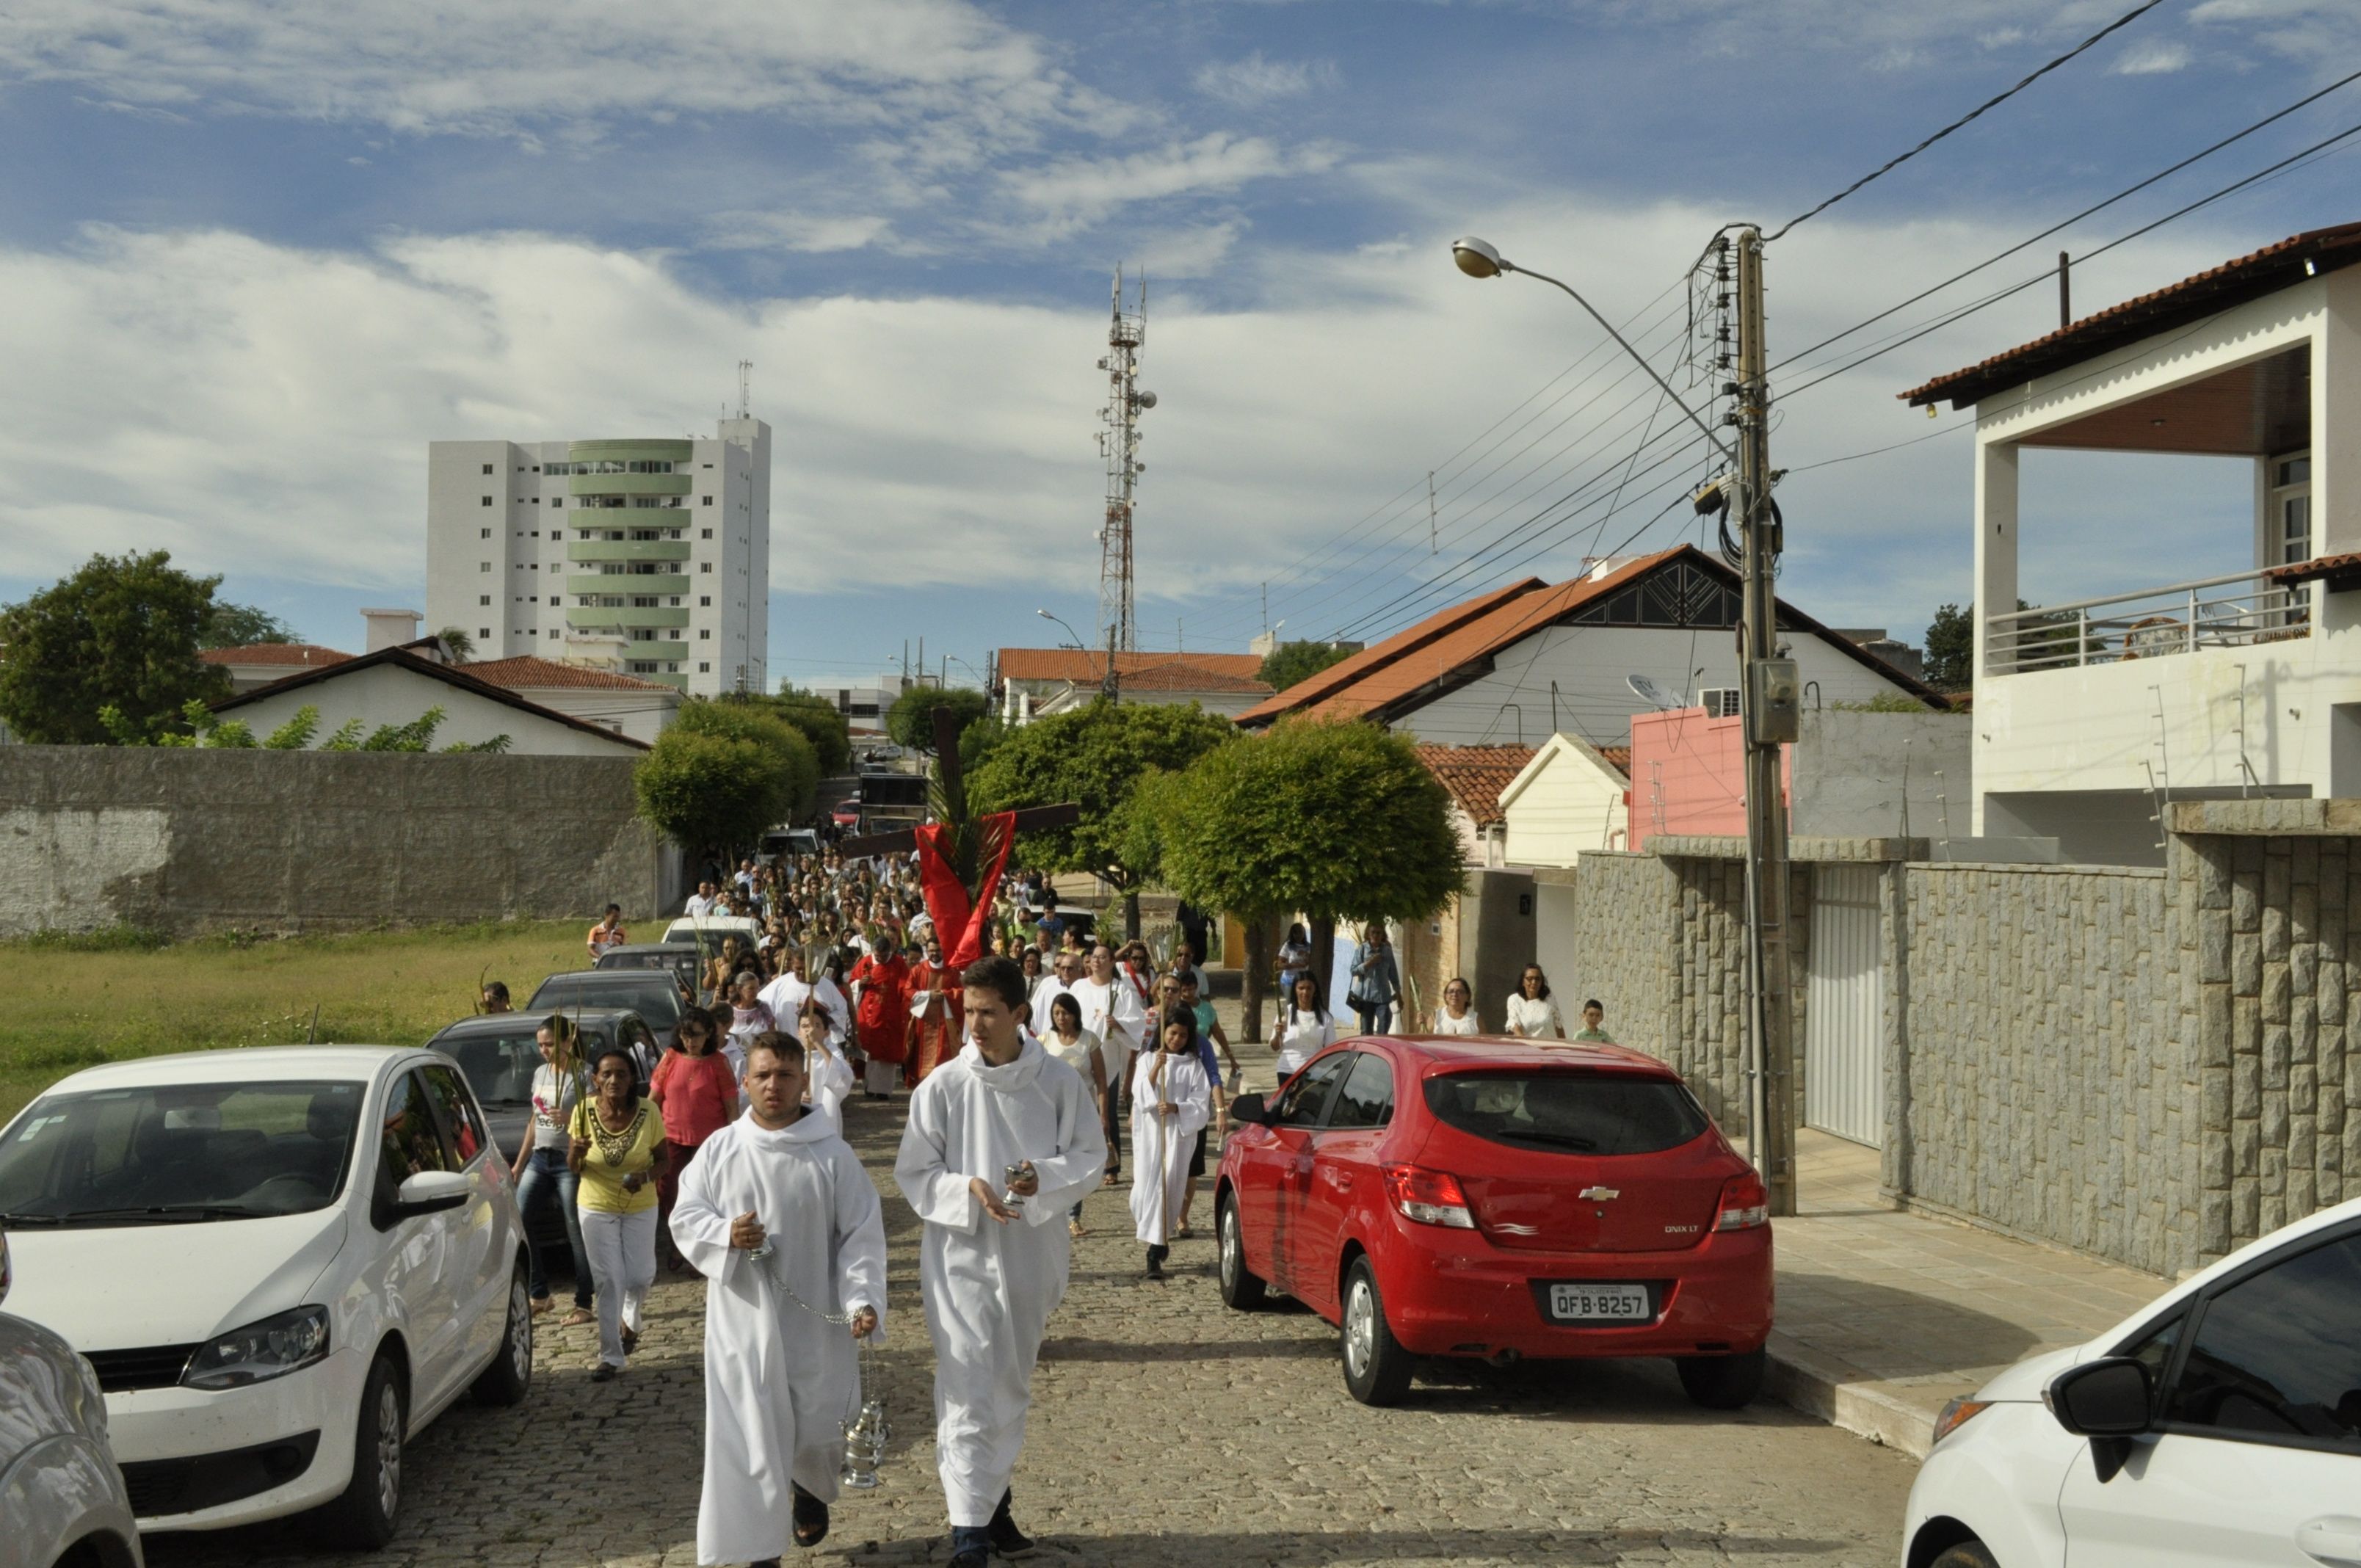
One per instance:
(260, 253)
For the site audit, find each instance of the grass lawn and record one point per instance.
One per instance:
(70, 1005)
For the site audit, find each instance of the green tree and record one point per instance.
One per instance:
(911, 720)
(242, 625)
(1339, 820)
(701, 789)
(791, 754)
(818, 718)
(122, 631)
(458, 644)
(1096, 757)
(1951, 649)
(1290, 663)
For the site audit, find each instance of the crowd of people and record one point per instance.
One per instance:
(1024, 1073)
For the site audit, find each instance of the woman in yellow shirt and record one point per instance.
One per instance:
(616, 1141)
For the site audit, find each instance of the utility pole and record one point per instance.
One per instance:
(1769, 706)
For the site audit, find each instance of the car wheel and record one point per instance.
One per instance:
(1377, 1368)
(1242, 1289)
(1967, 1554)
(504, 1382)
(1722, 1382)
(362, 1518)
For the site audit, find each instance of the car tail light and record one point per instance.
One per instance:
(1745, 1206)
(1429, 1197)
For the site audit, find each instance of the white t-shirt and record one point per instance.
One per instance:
(698, 906)
(1077, 1055)
(1444, 1023)
(1301, 1036)
(1534, 1018)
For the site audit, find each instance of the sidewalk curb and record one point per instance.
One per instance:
(1842, 1397)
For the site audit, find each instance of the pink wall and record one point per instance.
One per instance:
(1689, 775)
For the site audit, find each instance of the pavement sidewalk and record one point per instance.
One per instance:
(1885, 1315)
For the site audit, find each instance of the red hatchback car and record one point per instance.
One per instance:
(1495, 1200)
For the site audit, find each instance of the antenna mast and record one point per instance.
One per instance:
(1119, 444)
(745, 381)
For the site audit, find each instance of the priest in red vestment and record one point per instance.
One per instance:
(938, 1013)
(881, 1020)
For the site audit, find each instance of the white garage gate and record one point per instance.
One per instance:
(1844, 1005)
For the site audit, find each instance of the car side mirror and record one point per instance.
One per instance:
(429, 1192)
(2110, 1401)
(1250, 1110)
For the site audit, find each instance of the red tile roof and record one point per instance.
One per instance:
(1619, 755)
(526, 672)
(1443, 652)
(286, 655)
(2248, 277)
(1190, 677)
(1475, 775)
(1087, 666)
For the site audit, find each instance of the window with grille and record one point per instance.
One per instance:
(1718, 702)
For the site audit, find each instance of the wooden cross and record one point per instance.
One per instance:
(901, 842)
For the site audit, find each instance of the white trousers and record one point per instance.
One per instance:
(623, 1249)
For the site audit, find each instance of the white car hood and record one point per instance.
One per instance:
(127, 1286)
(2028, 1378)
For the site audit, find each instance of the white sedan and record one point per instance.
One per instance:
(2221, 1426)
(282, 1262)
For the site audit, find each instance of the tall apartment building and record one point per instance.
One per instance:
(646, 557)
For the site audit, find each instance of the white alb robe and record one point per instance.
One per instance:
(990, 1288)
(830, 1080)
(1160, 1146)
(779, 1381)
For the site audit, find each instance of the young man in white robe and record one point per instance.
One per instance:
(780, 1380)
(992, 1272)
(1171, 1101)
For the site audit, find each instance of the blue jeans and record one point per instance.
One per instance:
(1377, 1018)
(547, 1181)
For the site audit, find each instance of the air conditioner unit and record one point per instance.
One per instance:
(1718, 702)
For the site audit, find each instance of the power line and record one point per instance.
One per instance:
(2135, 14)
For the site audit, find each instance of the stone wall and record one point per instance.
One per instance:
(187, 841)
(2037, 1084)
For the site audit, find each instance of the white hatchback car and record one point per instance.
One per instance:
(2221, 1426)
(283, 1261)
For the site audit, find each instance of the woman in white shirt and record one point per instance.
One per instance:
(1458, 1014)
(1532, 1015)
(1304, 1029)
(1078, 1048)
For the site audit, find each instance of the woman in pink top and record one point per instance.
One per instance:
(697, 1090)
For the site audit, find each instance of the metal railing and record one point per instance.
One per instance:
(2234, 611)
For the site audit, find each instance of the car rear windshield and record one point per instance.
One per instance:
(165, 1152)
(1568, 1112)
(649, 994)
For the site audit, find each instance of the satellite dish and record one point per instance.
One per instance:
(1144, 400)
(1649, 692)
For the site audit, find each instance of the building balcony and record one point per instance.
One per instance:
(630, 484)
(598, 617)
(579, 550)
(656, 651)
(2243, 609)
(607, 584)
(641, 451)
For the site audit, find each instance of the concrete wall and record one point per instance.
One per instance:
(194, 841)
(1859, 775)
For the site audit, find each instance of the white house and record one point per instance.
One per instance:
(1536, 658)
(2090, 713)
(1572, 798)
(397, 685)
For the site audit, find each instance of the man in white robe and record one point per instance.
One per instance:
(786, 996)
(1171, 1101)
(780, 1380)
(991, 1273)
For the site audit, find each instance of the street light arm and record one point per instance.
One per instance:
(1728, 454)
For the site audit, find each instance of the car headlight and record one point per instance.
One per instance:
(271, 1348)
(1957, 1414)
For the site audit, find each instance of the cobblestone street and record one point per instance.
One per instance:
(1166, 1431)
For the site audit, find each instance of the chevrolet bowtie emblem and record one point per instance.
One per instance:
(1599, 1194)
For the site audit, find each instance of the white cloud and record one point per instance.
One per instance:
(1073, 192)
(1256, 81)
(795, 231)
(2155, 58)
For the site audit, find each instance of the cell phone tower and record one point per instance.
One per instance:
(1120, 439)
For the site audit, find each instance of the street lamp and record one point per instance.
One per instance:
(1478, 260)
(1069, 630)
(1107, 676)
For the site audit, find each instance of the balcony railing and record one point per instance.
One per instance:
(2234, 611)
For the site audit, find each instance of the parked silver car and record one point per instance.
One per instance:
(60, 1493)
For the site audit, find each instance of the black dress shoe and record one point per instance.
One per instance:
(1007, 1539)
(810, 1518)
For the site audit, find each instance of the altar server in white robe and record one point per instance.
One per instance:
(780, 1380)
(830, 1075)
(1172, 1101)
(992, 1272)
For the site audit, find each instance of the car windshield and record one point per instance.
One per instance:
(164, 1153)
(1568, 1112)
(498, 1068)
(651, 994)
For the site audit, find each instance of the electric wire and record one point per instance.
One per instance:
(2126, 19)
